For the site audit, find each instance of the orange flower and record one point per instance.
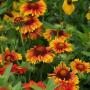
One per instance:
(80, 66)
(39, 54)
(11, 56)
(63, 73)
(35, 34)
(67, 86)
(34, 8)
(30, 24)
(59, 45)
(28, 85)
(50, 33)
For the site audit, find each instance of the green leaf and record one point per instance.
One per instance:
(86, 53)
(17, 86)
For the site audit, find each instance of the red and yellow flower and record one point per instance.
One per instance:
(35, 34)
(30, 24)
(34, 8)
(80, 66)
(59, 45)
(39, 54)
(63, 73)
(28, 86)
(11, 56)
(68, 7)
(67, 86)
(50, 33)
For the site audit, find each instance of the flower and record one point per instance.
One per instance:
(11, 56)
(2, 69)
(88, 15)
(50, 33)
(3, 88)
(67, 86)
(68, 7)
(39, 54)
(59, 45)
(34, 8)
(63, 73)
(30, 24)
(28, 86)
(35, 34)
(18, 69)
(80, 66)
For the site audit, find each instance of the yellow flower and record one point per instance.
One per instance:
(34, 8)
(80, 66)
(39, 54)
(88, 16)
(59, 45)
(68, 7)
(63, 73)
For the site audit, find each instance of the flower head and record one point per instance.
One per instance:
(88, 15)
(68, 7)
(50, 33)
(39, 54)
(30, 24)
(34, 8)
(63, 73)
(80, 66)
(11, 56)
(59, 45)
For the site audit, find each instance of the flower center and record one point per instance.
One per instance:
(69, 2)
(80, 67)
(34, 6)
(18, 20)
(63, 74)
(40, 50)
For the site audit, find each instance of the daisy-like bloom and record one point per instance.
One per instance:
(31, 83)
(35, 34)
(88, 15)
(63, 73)
(68, 7)
(18, 69)
(11, 56)
(49, 33)
(67, 86)
(59, 45)
(80, 66)
(39, 54)
(30, 24)
(34, 8)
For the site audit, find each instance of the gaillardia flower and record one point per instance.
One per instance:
(30, 24)
(80, 66)
(11, 56)
(63, 73)
(49, 34)
(59, 45)
(67, 86)
(39, 54)
(36, 33)
(34, 8)
(68, 7)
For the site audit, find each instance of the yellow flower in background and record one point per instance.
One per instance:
(59, 45)
(80, 66)
(88, 15)
(68, 7)
(34, 8)
(63, 73)
(39, 54)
